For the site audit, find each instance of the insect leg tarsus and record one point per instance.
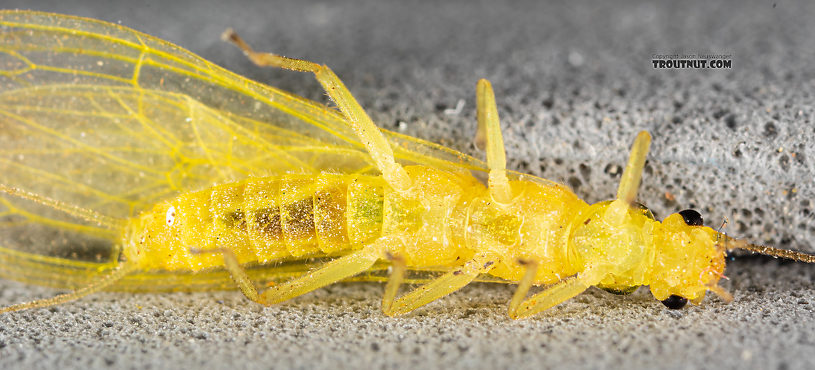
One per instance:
(440, 287)
(523, 288)
(369, 135)
(397, 276)
(489, 136)
(237, 272)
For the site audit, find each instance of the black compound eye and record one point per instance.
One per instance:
(692, 218)
(675, 302)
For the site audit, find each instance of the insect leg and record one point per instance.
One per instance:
(369, 135)
(440, 287)
(398, 268)
(489, 135)
(630, 182)
(523, 288)
(117, 274)
(332, 272)
(550, 297)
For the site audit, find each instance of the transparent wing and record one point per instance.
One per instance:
(109, 119)
(112, 120)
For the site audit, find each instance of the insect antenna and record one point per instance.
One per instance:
(118, 273)
(770, 251)
(85, 214)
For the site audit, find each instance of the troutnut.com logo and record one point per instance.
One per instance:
(692, 61)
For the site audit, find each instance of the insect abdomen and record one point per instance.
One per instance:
(299, 215)
(267, 219)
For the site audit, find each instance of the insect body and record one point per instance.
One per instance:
(262, 220)
(220, 172)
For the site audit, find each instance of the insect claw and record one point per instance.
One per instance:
(228, 34)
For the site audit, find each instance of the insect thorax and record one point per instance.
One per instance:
(615, 242)
(534, 227)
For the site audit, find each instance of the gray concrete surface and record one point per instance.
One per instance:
(574, 83)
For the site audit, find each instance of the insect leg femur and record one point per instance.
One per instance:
(489, 132)
(630, 182)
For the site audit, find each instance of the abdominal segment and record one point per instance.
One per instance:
(266, 219)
